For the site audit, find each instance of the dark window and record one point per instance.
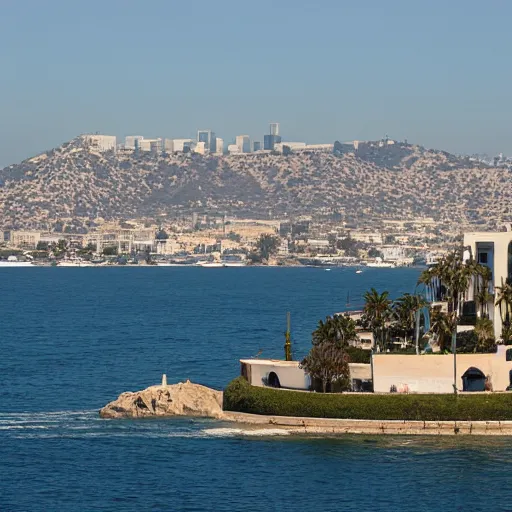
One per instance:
(483, 258)
(508, 354)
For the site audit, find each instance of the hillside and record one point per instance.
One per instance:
(397, 181)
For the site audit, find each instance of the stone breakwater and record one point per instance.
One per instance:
(188, 399)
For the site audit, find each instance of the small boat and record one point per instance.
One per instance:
(359, 271)
(234, 264)
(327, 269)
(210, 264)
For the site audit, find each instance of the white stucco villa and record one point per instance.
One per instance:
(289, 375)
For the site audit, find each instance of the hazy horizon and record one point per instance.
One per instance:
(435, 74)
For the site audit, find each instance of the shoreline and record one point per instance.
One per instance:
(305, 425)
(194, 400)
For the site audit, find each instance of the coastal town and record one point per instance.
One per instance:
(447, 346)
(255, 256)
(217, 239)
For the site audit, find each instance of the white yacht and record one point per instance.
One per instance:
(210, 264)
(379, 263)
(74, 262)
(12, 261)
(234, 263)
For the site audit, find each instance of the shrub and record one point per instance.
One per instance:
(358, 355)
(242, 397)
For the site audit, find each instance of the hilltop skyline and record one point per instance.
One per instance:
(333, 71)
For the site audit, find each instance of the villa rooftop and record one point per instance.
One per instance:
(275, 362)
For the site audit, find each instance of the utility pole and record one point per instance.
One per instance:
(454, 350)
(288, 341)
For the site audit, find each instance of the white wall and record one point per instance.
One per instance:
(293, 377)
(433, 373)
(289, 376)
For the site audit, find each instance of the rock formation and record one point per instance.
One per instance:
(183, 399)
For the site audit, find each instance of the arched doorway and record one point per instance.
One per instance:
(473, 380)
(273, 380)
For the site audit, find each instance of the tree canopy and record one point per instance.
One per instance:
(267, 245)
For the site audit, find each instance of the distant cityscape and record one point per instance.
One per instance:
(206, 142)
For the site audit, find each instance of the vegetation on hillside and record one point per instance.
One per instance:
(76, 183)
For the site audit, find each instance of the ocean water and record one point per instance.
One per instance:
(72, 339)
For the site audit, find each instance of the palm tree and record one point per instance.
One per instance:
(441, 327)
(377, 309)
(455, 276)
(482, 294)
(407, 309)
(484, 330)
(339, 330)
(504, 302)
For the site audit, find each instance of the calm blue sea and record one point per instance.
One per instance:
(72, 339)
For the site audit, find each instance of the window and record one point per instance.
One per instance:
(508, 354)
(483, 258)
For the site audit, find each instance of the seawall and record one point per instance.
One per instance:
(303, 425)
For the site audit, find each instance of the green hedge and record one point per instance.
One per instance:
(358, 355)
(240, 396)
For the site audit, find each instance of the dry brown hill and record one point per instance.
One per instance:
(399, 181)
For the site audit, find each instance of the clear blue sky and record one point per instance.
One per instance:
(435, 72)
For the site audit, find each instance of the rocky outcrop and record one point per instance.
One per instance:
(183, 399)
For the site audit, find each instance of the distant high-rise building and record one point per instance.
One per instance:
(208, 137)
(256, 145)
(269, 141)
(132, 141)
(168, 145)
(152, 145)
(244, 143)
(219, 146)
(101, 143)
(181, 145)
(274, 128)
(200, 148)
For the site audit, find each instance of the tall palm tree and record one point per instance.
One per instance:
(407, 310)
(483, 295)
(455, 276)
(504, 302)
(441, 327)
(377, 309)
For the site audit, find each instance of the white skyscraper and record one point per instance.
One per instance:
(274, 128)
(101, 143)
(244, 143)
(129, 141)
(219, 146)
